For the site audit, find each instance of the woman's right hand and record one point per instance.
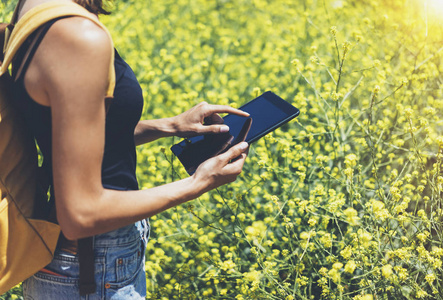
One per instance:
(221, 169)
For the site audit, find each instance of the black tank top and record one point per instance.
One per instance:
(119, 160)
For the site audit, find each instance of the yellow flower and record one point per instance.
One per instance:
(401, 272)
(376, 89)
(351, 160)
(314, 59)
(312, 222)
(346, 46)
(307, 235)
(422, 236)
(323, 271)
(335, 96)
(337, 265)
(386, 271)
(228, 266)
(346, 252)
(364, 237)
(379, 210)
(326, 240)
(421, 294)
(408, 112)
(430, 278)
(351, 216)
(302, 280)
(256, 92)
(295, 62)
(350, 267)
(334, 274)
(252, 276)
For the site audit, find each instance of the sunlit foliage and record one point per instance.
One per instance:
(343, 203)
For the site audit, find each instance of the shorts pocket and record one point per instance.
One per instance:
(127, 266)
(63, 269)
(36, 288)
(59, 281)
(134, 289)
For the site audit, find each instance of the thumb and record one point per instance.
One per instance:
(215, 128)
(234, 151)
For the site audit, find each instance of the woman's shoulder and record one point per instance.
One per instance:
(74, 52)
(72, 30)
(78, 33)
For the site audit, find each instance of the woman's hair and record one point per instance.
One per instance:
(94, 6)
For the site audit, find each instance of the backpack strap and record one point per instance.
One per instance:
(86, 282)
(38, 16)
(6, 29)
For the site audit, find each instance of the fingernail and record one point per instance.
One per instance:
(224, 128)
(243, 145)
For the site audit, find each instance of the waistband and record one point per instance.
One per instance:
(119, 237)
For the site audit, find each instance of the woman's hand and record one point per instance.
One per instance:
(221, 169)
(204, 118)
(201, 119)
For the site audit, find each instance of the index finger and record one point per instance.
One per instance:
(213, 108)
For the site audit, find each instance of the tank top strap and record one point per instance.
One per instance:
(28, 49)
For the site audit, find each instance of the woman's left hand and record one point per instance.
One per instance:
(204, 118)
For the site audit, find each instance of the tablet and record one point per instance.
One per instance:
(267, 112)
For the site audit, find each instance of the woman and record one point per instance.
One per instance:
(89, 153)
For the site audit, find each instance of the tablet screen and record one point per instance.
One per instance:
(265, 114)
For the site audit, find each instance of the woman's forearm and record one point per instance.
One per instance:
(121, 208)
(90, 210)
(149, 130)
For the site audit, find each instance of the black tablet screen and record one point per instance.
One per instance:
(264, 113)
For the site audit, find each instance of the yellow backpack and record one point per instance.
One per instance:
(26, 244)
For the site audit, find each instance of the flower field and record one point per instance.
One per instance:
(345, 202)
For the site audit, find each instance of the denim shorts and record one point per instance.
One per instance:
(119, 269)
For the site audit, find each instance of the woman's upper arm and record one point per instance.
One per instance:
(72, 64)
